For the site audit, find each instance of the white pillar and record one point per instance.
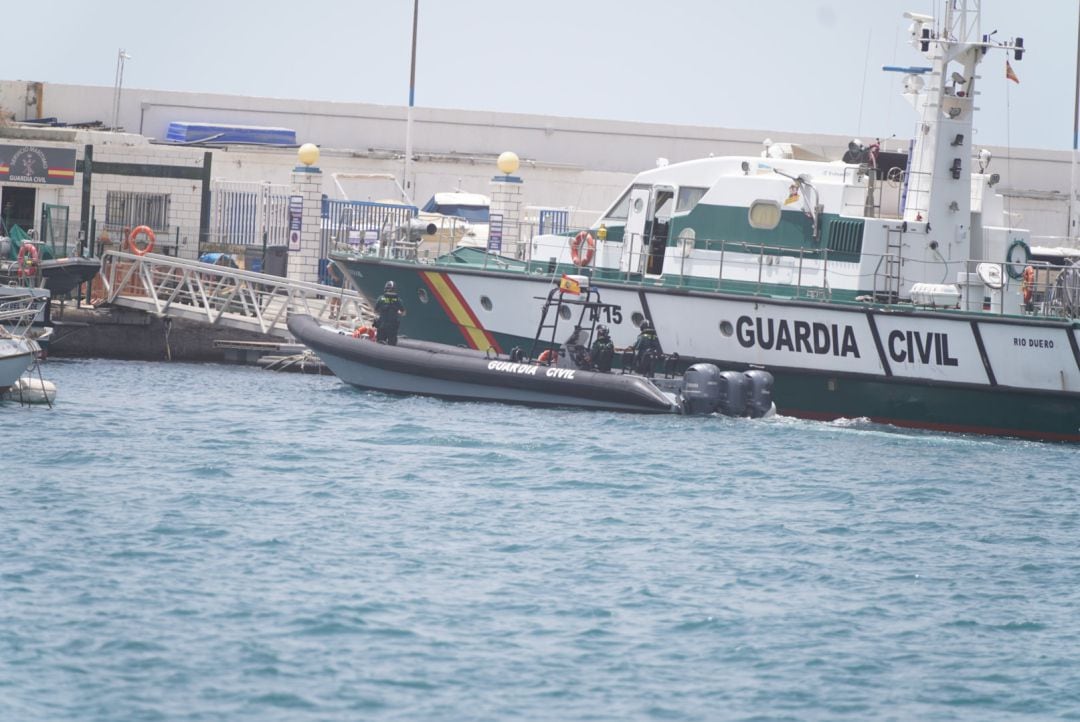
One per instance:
(304, 255)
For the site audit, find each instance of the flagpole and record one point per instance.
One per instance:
(406, 184)
(1076, 132)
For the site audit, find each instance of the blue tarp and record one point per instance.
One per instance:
(219, 259)
(188, 132)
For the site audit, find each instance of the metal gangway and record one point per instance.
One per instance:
(218, 295)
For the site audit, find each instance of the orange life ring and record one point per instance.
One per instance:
(577, 255)
(548, 357)
(135, 232)
(364, 332)
(1028, 284)
(27, 269)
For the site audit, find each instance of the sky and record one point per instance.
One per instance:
(808, 66)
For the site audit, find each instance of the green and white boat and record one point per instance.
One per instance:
(882, 285)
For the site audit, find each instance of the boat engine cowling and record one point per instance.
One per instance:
(700, 392)
(732, 388)
(759, 393)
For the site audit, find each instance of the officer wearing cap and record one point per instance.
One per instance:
(388, 312)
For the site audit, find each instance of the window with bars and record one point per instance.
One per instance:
(131, 209)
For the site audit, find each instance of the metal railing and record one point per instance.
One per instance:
(222, 296)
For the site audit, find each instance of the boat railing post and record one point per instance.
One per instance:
(825, 274)
(720, 275)
(760, 267)
(798, 282)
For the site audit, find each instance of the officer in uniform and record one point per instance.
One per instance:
(388, 312)
(603, 349)
(646, 348)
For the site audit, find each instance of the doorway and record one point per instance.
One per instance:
(658, 228)
(17, 207)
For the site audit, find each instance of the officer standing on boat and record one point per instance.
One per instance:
(388, 312)
(646, 348)
(603, 349)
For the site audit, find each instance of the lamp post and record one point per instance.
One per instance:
(120, 58)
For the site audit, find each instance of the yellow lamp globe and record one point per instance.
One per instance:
(308, 154)
(508, 162)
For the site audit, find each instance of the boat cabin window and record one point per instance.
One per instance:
(688, 198)
(765, 214)
(621, 210)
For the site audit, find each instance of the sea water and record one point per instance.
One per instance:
(203, 542)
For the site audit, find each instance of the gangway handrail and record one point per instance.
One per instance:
(219, 295)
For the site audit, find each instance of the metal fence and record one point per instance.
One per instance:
(249, 214)
(362, 225)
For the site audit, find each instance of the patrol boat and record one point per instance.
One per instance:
(550, 373)
(884, 285)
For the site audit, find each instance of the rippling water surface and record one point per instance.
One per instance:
(199, 542)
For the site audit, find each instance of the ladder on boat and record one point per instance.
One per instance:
(222, 296)
(889, 292)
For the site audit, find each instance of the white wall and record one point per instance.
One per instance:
(575, 162)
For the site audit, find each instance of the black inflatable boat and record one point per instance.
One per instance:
(433, 369)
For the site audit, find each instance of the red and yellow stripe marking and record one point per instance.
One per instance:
(61, 173)
(452, 302)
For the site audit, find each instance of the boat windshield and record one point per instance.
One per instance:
(471, 213)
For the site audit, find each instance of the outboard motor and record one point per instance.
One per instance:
(758, 393)
(700, 393)
(732, 388)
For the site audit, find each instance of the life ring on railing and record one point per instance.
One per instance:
(135, 233)
(548, 357)
(364, 332)
(1015, 266)
(1027, 286)
(27, 268)
(582, 248)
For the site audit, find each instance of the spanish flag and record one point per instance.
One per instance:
(569, 285)
(1009, 73)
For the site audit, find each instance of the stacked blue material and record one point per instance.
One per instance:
(187, 132)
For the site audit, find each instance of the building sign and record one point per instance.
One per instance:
(495, 232)
(33, 164)
(296, 215)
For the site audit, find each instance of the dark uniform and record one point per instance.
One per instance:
(603, 350)
(646, 348)
(388, 312)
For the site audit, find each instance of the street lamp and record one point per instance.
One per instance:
(120, 58)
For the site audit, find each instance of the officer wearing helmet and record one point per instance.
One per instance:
(603, 349)
(388, 312)
(646, 348)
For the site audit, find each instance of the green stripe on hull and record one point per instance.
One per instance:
(997, 412)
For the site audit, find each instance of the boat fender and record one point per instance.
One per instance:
(364, 332)
(548, 357)
(1015, 266)
(1028, 284)
(582, 248)
(759, 393)
(27, 267)
(133, 236)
